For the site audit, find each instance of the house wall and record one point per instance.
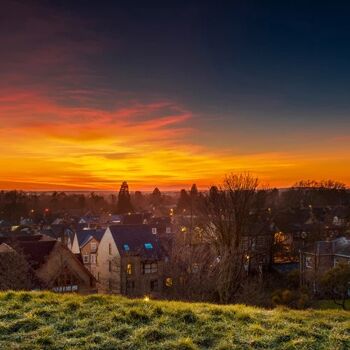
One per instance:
(87, 252)
(75, 245)
(137, 283)
(57, 260)
(315, 265)
(108, 281)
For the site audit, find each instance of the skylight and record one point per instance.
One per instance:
(148, 246)
(126, 247)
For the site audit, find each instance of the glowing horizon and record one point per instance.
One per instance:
(146, 144)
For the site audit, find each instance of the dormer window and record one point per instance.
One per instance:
(148, 246)
(126, 247)
(154, 230)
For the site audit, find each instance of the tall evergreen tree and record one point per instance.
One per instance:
(194, 191)
(124, 201)
(156, 197)
(184, 201)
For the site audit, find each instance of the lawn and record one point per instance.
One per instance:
(36, 320)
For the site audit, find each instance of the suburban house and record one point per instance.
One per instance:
(164, 229)
(52, 264)
(85, 244)
(130, 261)
(320, 257)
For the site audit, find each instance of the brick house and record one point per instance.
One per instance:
(318, 258)
(53, 265)
(85, 245)
(130, 261)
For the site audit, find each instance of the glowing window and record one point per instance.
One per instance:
(126, 247)
(168, 281)
(148, 246)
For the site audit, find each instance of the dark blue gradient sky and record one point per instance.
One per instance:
(253, 77)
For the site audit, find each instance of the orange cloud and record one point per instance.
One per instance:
(50, 146)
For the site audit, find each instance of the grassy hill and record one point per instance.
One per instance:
(50, 321)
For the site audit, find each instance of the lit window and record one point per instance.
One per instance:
(93, 247)
(150, 268)
(154, 230)
(148, 246)
(168, 230)
(86, 259)
(93, 258)
(126, 247)
(129, 269)
(168, 281)
(308, 262)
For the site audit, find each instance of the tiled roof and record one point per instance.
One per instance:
(135, 237)
(85, 235)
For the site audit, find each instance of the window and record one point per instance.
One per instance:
(195, 268)
(148, 246)
(336, 261)
(308, 262)
(126, 247)
(168, 282)
(253, 243)
(110, 266)
(93, 247)
(150, 268)
(129, 269)
(110, 248)
(86, 259)
(168, 229)
(154, 285)
(93, 258)
(154, 230)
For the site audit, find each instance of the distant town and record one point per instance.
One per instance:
(235, 242)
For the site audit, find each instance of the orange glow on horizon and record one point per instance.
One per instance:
(50, 146)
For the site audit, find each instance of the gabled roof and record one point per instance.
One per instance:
(135, 237)
(162, 220)
(133, 219)
(35, 252)
(339, 246)
(4, 248)
(84, 236)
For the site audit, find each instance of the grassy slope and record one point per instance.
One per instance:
(50, 321)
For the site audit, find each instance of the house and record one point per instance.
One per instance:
(318, 258)
(164, 229)
(53, 265)
(135, 218)
(85, 244)
(130, 261)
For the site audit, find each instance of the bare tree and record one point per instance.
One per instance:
(226, 217)
(15, 272)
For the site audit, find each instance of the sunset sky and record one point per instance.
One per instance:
(170, 93)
